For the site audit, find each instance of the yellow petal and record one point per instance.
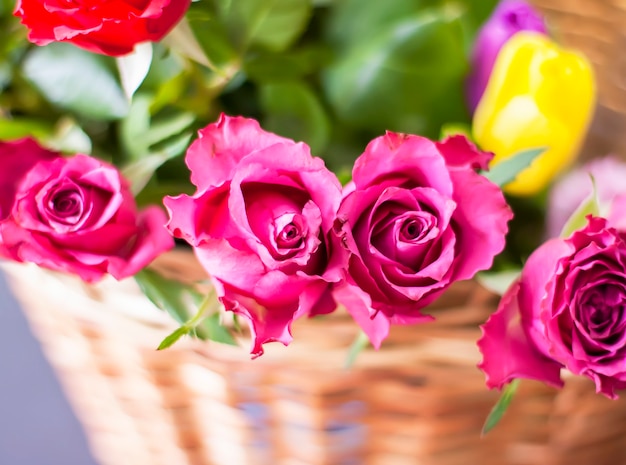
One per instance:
(538, 95)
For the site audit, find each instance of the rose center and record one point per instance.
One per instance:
(410, 230)
(66, 205)
(289, 237)
(602, 313)
(416, 227)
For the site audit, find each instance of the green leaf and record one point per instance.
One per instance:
(407, 77)
(139, 131)
(578, 219)
(141, 171)
(173, 337)
(211, 36)
(69, 137)
(351, 21)
(134, 67)
(359, 344)
(507, 170)
(164, 128)
(268, 67)
(171, 296)
(498, 410)
(497, 282)
(21, 127)
(216, 331)
(75, 80)
(269, 24)
(154, 192)
(177, 299)
(293, 110)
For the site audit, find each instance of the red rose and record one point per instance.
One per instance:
(111, 27)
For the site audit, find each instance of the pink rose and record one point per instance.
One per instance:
(566, 311)
(260, 224)
(417, 218)
(78, 215)
(111, 27)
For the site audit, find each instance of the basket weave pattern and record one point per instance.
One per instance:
(419, 400)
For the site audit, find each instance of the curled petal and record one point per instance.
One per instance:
(359, 305)
(481, 220)
(508, 353)
(459, 152)
(214, 156)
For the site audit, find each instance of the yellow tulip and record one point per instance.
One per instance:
(538, 95)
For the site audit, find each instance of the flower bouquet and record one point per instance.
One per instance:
(328, 175)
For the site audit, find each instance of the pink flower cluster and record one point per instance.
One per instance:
(273, 227)
(282, 239)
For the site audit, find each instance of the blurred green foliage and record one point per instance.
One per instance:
(332, 73)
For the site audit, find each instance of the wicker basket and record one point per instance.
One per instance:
(419, 400)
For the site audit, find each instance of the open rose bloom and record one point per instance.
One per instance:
(418, 217)
(260, 223)
(280, 240)
(565, 312)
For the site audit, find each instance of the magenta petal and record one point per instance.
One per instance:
(460, 152)
(482, 215)
(182, 211)
(267, 324)
(213, 157)
(402, 156)
(151, 241)
(224, 262)
(540, 270)
(507, 350)
(359, 305)
(18, 157)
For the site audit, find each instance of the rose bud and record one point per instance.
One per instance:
(539, 96)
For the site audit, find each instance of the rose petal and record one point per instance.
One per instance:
(480, 219)
(152, 240)
(358, 303)
(402, 156)
(18, 157)
(213, 157)
(508, 352)
(459, 152)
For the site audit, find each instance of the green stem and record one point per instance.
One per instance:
(205, 309)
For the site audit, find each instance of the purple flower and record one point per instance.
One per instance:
(509, 17)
